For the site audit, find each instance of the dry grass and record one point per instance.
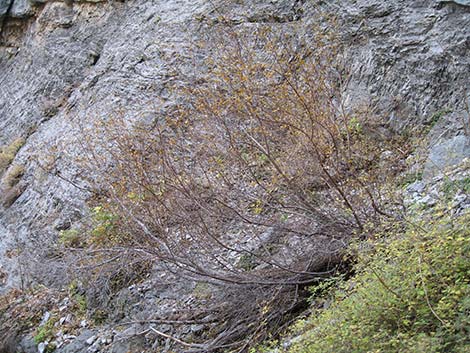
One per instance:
(10, 185)
(13, 175)
(8, 153)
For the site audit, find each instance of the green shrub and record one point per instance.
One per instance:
(81, 304)
(99, 316)
(410, 178)
(434, 119)
(45, 332)
(104, 231)
(70, 238)
(411, 293)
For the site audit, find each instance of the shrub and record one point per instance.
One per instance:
(410, 294)
(70, 238)
(452, 187)
(45, 332)
(104, 228)
(81, 304)
(263, 143)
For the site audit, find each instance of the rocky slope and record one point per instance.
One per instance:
(65, 65)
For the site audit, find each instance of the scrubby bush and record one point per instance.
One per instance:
(70, 238)
(263, 143)
(46, 332)
(411, 293)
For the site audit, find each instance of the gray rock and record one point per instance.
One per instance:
(27, 345)
(95, 347)
(459, 200)
(22, 8)
(85, 335)
(79, 344)
(427, 200)
(42, 347)
(445, 154)
(45, 318)
(129, 332)
(4, 5)
(90, 340)
(460, 2)
(416, 187)
(106, 340)
(132, 345)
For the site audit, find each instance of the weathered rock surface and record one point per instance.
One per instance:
(445, 154)
(64, 65)
(72, 66)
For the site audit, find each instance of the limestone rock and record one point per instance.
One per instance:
(447, 153)
(64, 67)
(4, 5)
(460, 2)
(22, 8)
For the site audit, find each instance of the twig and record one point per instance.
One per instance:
(177, 340)
(426, 294)
(163, 321)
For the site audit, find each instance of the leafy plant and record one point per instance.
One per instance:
(410, 294)
(104, 227)
(410, 178)
(45, 332)
(79, 299)
(437, 116)
(99, 316)
(81, 304)
(71, 238)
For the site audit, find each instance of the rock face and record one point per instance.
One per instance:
(447, 154)
(73, 65)
(64, 65)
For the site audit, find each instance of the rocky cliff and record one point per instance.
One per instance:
(67, 64)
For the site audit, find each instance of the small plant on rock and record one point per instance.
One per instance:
(71, 238)
(8, 153)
